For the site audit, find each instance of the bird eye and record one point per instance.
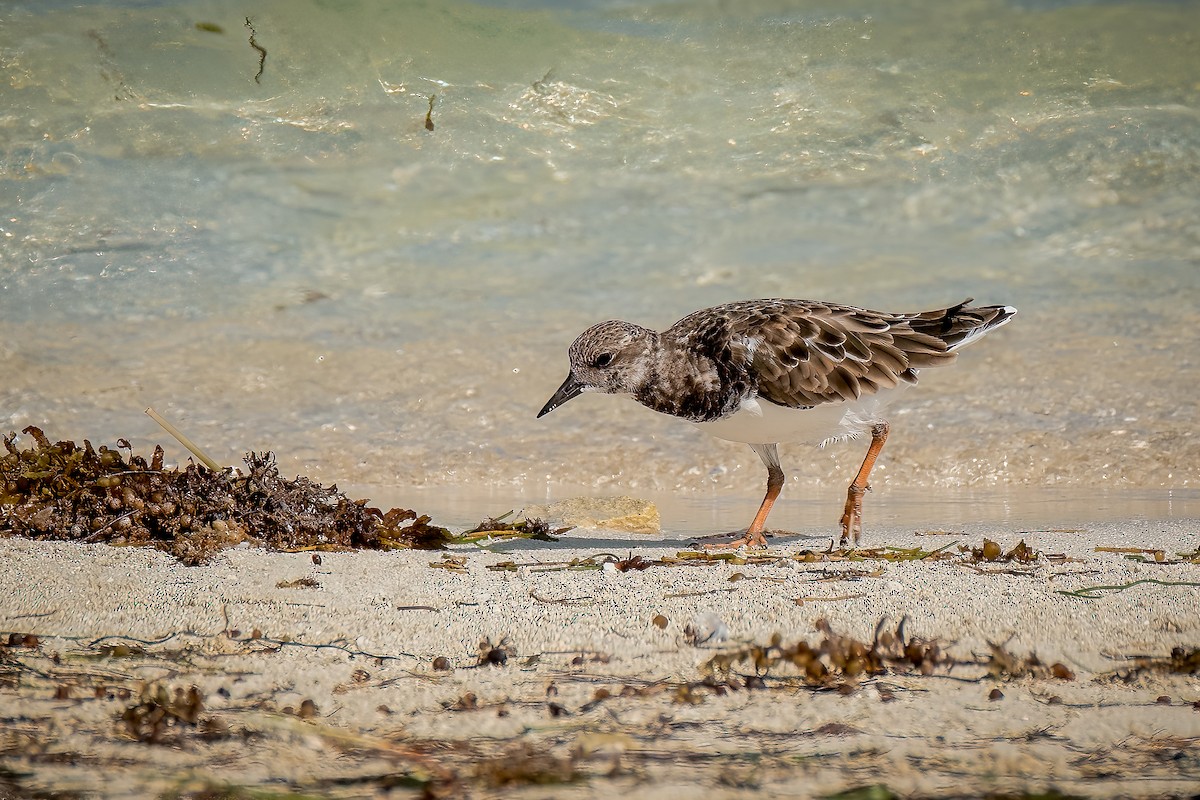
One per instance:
(603, 360)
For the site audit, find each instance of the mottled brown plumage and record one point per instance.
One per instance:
(811, 353)
(766, 371)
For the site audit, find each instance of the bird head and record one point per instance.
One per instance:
(612, 357)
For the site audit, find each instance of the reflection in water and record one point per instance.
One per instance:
(298, 263)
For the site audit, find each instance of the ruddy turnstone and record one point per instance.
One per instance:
(770, 371)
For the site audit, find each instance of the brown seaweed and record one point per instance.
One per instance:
(63, 492)
(262, 52)
(840, 662)
(991, 551)
(1181, 661)
(531, 528)
(160, 714)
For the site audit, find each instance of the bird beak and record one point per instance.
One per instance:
(570, 388)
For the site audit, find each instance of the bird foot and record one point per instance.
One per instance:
(851, 528)
(852, 515)
(748, 539)
(851, 531)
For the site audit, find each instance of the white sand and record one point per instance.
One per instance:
(575, 631)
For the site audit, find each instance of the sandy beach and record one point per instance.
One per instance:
(535, 669)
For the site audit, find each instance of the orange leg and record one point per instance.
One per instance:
(754, 537)
(852, 516)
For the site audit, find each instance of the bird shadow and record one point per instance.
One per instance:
(609, 543)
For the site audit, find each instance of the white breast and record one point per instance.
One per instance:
(761, 422)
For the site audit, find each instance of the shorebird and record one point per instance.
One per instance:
(769, 371)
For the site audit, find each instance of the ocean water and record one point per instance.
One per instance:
(363, 234)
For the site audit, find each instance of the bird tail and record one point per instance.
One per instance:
(961, 324)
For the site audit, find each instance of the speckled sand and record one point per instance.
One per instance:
(573, 632)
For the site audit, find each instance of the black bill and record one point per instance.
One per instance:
(570, 388)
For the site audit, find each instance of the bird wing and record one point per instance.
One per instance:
(809, 353)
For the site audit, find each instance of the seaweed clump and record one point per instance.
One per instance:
(836, 660)
(532, 528)
(1181, 661)
(841, 662)
(60, 491)
(160, 716)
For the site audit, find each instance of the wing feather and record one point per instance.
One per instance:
(809, 353)
(800, 353)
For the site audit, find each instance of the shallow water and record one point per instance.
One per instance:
(297, 264)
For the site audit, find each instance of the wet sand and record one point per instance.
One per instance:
(259, 634)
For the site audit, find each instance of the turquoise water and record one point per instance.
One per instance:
(296, 263)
